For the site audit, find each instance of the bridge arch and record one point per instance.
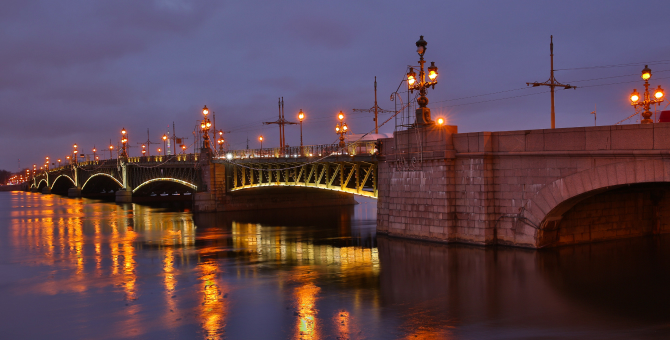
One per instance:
(548, 206)
(57, 178)
(166, 179)
(102, 174)
(39, 184)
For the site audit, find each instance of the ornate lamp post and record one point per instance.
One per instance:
(124, 141)
(144, 149)
(59, 162)
(47, 162)
(74, 152)
(95, 157)
(111, 147)
(260, 138)
(221, 141)
(422, 113)
(164, 145)
(659, 95)
(205, 125)
(301, 116)
(341, 128)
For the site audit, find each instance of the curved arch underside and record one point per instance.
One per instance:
(102, 174)
(174, 180)
(556, 206)
(57, 178)
(364, 193)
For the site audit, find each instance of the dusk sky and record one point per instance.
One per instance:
(79, 71)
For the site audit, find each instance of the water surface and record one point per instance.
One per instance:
(79, 268)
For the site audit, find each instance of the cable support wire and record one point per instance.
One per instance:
(665, 61)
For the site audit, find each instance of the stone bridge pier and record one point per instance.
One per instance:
(531, 188)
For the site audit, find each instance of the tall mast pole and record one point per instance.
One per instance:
(552, 83)
(376, 126)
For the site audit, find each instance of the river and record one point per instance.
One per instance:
(83, 269)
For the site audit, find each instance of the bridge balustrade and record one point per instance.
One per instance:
(354, 148)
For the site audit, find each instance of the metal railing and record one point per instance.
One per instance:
(322, 150)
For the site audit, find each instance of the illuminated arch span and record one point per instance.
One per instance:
(370, 194)
(102, 174)
(66, 176)
(166, 179)
(40, 182)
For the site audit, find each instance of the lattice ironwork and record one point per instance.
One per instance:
(356, 177)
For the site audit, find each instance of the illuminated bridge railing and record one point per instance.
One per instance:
(352, 149)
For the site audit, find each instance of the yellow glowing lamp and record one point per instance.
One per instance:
(159, 149)
(635, 96)
(205, 110)
(345, 127)
(337, 128)
(440, 121)
(144, 151)
(183, 147)
(75, 146)
(94, 150)
(340, 116)
(202, 126)
(143, 146)
(260, 138)
(220, 141)
(123, 132)
(164, 137)
(208, 124)
(301, 115)
(432, 71)
(111, 147)
(75, 151)
(59, 161)
(220, 132)
(411, 76)
(659, 93)
(646, 72)
(67, 157)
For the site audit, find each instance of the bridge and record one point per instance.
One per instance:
(531, 188)
(220, 180)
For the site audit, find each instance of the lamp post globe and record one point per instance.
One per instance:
(421, 85)
(646, 99)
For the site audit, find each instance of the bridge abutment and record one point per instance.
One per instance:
(46, 190)
(533, 188)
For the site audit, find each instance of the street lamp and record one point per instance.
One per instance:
(94, 150)
(111, 147)
(144, 149)
(75, 154)
(260, 138)
(301, 116)
(183, 149)
(47, 162)
(59, 162)
(659, 95)
(341, 128)
(205, 125)
(420, 84)
(124, 141)
(164, 145)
